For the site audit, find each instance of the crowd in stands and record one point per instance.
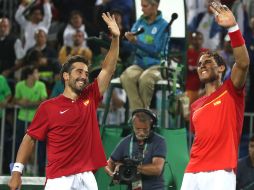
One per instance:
(52, 30)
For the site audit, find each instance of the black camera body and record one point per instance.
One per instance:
(128, 172)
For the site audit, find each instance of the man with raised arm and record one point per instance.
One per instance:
(217, 117)
(68, 124)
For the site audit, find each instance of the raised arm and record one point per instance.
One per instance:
(19, 17)
(25, 151)
(47, 14)
(109, 64)
(225, 18)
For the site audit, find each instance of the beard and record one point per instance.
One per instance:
(213, 77)
(76, 87)
(141, 137)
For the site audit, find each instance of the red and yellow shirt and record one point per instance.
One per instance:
(216, 121)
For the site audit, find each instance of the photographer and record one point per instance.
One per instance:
(139, 158)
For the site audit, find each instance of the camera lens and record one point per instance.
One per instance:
(128, 172)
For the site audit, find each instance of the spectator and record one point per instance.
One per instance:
(144, 146)
(123, 6)
(192, 82)
(249, 37)
(29, 93)
(5, 97)
(76, 48)
(116, 114)
(250, 8)
(205, 23)
(48, 70)
(245, 170)
(58, 89)
(42, 46)
(75, 24)
(194, 7)
(9, 48)
(139, 79)
(5, 94)
(37, 18)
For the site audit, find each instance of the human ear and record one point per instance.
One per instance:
(66, 76)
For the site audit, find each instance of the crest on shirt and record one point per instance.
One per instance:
(217, 103)
(154, 30)
(86, 102)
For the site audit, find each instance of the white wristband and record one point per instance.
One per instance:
(233, 28)
(18, 167)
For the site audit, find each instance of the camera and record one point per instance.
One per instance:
(128, 172)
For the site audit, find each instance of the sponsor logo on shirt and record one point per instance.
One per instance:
(62, 112)
(86, 102)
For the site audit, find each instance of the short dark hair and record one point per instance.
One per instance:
(74, 13)
(153, 2)
(26, 71)
(145, 115)
(218, 59)
(67, 66)
(35, 8)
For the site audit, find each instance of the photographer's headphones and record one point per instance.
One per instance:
(148, 112)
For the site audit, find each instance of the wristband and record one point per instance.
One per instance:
(235, 36)
(18, 167)
(233, 28)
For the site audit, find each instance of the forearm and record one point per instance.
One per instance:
(108, 66)
(240, 68)
(25, 149)
(150, 169)
(110, 61)
(47, 14)
(19, 17)
(239, 48)
(109, 169)
(241, 57)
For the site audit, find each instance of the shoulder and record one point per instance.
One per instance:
(50, 102)
(20, 83)
(2, 78)
(158, 138)
(228, 84)
(160, 18)
(40, 84)
(126, 139)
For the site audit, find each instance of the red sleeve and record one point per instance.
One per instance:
(39, 126)
(236, 92)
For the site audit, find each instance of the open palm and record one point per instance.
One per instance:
(111, 22)
(224, 17)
